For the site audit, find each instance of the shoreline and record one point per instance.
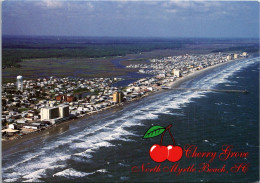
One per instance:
(14, 145)
(194, 74)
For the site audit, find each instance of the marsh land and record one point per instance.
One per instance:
(34, 57)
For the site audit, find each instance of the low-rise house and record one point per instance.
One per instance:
(12, 126)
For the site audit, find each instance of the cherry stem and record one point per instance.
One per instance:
(173, 141)
(167, 129)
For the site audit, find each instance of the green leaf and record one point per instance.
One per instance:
(154, 131)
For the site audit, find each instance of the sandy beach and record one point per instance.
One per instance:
(12, 146)
(181, 80)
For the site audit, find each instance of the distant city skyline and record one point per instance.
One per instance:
(167, 19)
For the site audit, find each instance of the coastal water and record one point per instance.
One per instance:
(107, 148)
(130, 77)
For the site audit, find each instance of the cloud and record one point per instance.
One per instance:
(171, 10)
(160, 17)
(200, 5)
(200, 9)
(52, 4)
(90, 6)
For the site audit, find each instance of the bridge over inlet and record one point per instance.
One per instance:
(215, 90)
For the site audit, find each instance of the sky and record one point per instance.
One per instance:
(173, 19)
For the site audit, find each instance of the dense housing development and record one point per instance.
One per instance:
(32, 105)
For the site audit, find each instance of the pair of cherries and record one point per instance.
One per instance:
(160, 153)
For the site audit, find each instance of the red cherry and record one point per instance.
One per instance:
(174, 153)
(158, 153)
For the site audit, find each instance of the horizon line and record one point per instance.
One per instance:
(134, 37)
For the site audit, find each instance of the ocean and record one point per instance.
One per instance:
(111, 148)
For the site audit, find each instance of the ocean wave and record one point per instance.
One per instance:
(11, 180)
(220, 75)
(70, 172)
(123, 165)
(34, 176)
(92, 144)
(27, 158)
(102, 171)
(35, 169)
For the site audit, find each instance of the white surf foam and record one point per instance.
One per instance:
(11, 180)
(222, 74)
(102, 171)
(35, 169)
(70, 172)
(35, 175)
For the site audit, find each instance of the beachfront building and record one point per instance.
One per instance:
(117, 97)
(64, 111)
(176, 73)
(229, 57)
(9, 132)
(12, 126)
(55, 114)
(244, 54)
(48, 113)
